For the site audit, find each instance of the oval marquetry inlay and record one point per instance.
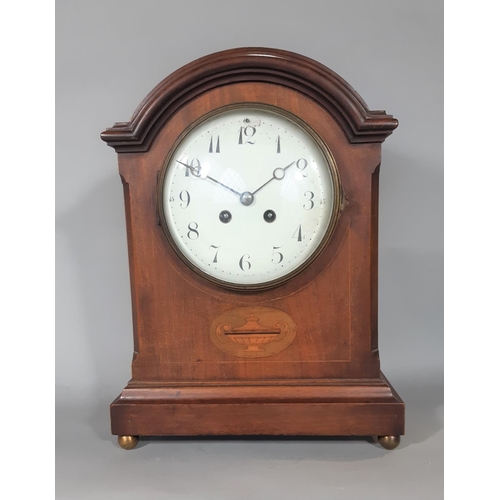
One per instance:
(253, 332)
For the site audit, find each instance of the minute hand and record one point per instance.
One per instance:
(208, 177)
(278, 174)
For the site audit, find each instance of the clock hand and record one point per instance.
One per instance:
(278, 174)
(196, 174)
(223, 185)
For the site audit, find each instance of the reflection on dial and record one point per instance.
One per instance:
(248, 196)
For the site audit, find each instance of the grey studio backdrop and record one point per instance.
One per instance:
(109, 55)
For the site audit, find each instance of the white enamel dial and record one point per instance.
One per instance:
(248, 196)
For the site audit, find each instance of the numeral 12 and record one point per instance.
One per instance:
(246, 134)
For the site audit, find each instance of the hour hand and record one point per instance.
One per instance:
(278, 174)
(196, 173)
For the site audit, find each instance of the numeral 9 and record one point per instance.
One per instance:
(185, 198)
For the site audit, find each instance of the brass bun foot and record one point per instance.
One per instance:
(389, 442)
(128, 442)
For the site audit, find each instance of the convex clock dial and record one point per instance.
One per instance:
(249, 196)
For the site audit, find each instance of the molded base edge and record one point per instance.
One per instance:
(342, 408)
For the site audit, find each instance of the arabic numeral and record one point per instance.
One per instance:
(298, 233)
(193, 233)
(195, 168)
(279, 255)
(214, 145)
(216, 253)
(246, 135)
(301, 165)
(185, 198)
(245, 262)
(309, 203)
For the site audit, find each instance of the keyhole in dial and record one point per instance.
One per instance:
(225, 216)
(269, 216)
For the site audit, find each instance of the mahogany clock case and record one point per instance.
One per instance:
(326, 380)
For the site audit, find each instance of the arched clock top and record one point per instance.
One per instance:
(280, 67)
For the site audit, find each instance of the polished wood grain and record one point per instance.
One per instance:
(328, 380)
(332, 295)
(341, 407)
(281, 67)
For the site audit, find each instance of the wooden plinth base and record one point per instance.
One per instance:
(307, 408)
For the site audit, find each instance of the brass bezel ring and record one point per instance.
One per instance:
(334, 216)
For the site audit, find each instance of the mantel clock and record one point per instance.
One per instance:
(251, 199)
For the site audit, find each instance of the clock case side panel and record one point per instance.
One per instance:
(130, 247)
(374, 260)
